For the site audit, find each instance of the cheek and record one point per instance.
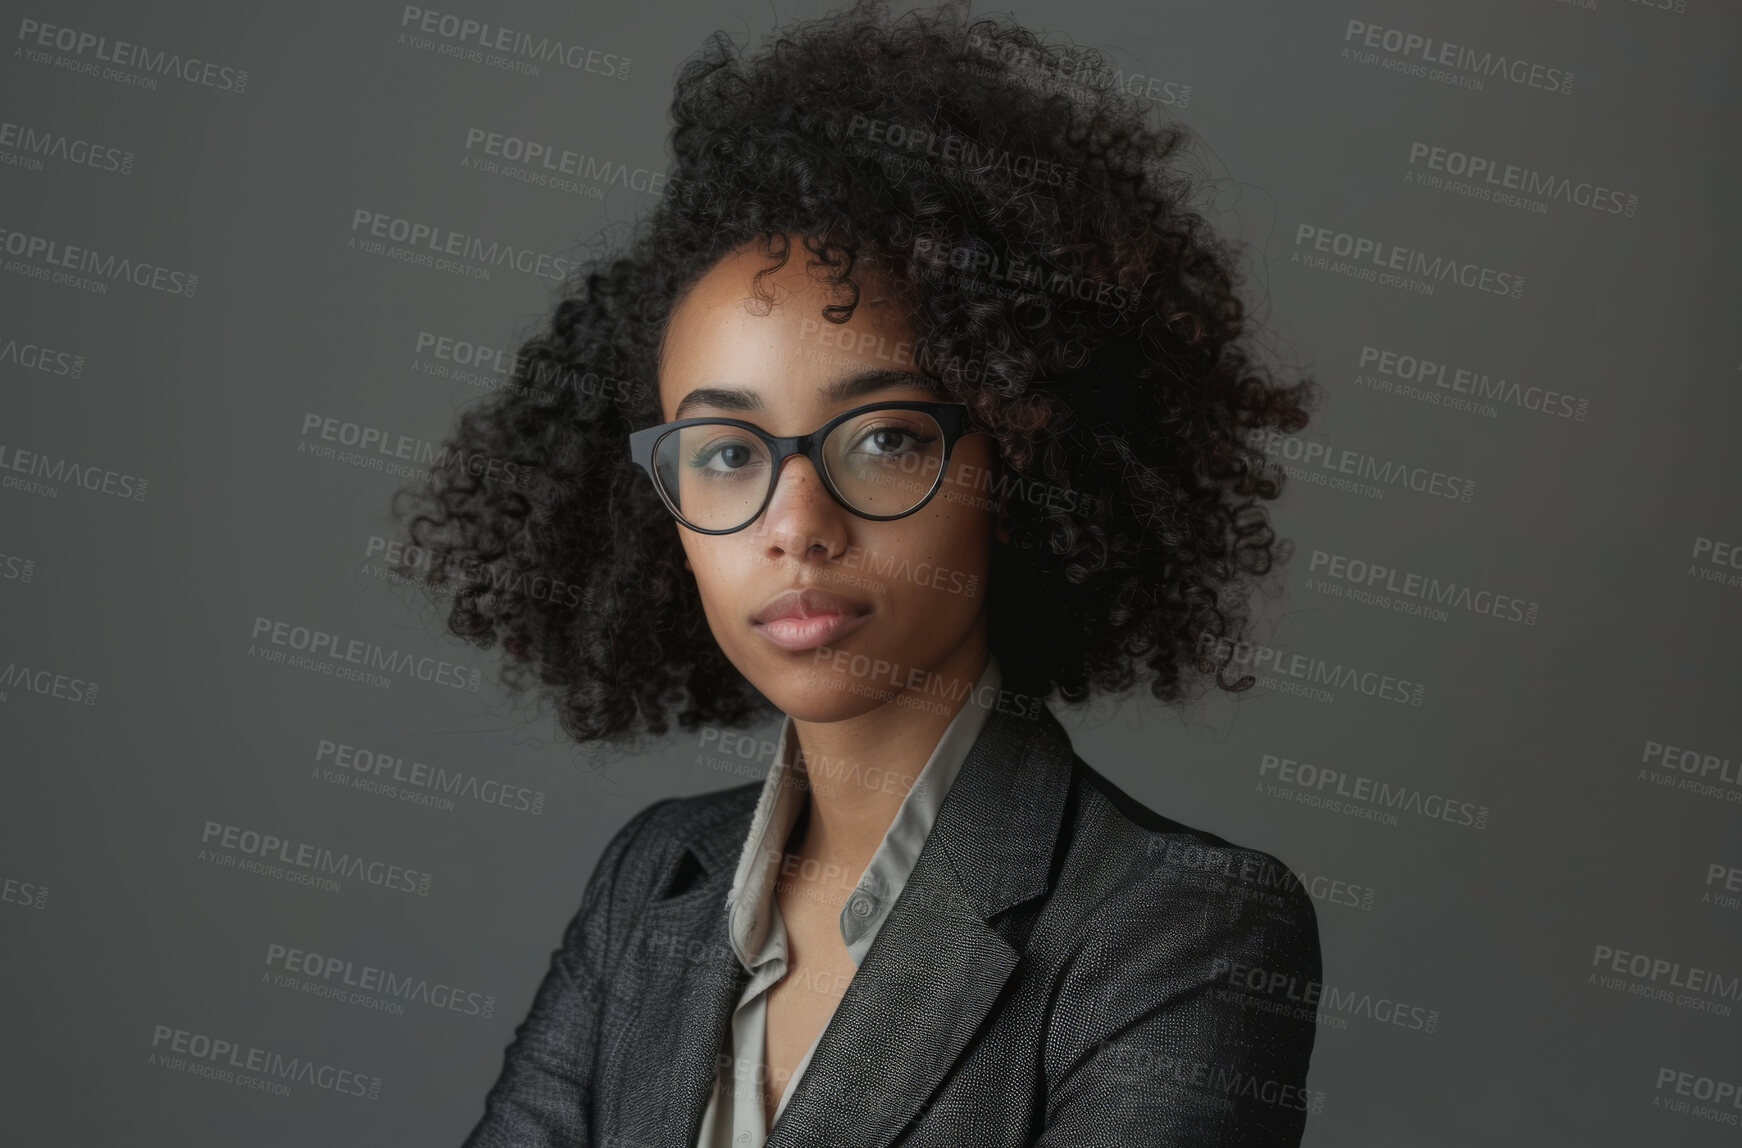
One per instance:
(956, 541)
(703, 566)
(946, 558)
(960, 521)
(727, 576)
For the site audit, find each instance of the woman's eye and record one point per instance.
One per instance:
(732, 456)
(889, 440)
(725, 457)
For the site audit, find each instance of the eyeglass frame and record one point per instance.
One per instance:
(951, 417)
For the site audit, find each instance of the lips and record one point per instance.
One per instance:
(809, 603)
(805, 619)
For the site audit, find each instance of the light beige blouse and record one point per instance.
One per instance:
(734, 1117)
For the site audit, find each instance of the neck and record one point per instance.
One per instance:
(861, 768)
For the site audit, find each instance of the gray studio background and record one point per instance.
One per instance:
(1581, 743)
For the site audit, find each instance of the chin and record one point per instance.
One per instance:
(816, 692)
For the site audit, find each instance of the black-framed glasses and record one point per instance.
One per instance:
(881, 461)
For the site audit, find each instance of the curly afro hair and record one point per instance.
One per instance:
(1063, 287)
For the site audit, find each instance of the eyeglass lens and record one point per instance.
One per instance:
(881, 462)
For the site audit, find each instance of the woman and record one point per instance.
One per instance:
(950, 268)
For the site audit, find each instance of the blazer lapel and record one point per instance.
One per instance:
(662, 1067)
(937, 965)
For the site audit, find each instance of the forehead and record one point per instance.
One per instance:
(769, 337)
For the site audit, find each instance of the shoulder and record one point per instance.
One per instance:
(645, 857)
(1138, 877)
(650, 848)
(1183, 969)
(690, 819)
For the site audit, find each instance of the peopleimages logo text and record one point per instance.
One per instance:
(466, 31)
(89, 45)
(319, 858)
(1379, 254)
(41, 249)
(248, 1058)
(320, 643)
(1427, 50)
(437, 240)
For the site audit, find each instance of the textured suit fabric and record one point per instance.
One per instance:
(734, 1117)
(1065, 967)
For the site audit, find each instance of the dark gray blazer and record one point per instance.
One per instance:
(1064, 967)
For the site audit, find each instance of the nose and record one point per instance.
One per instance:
(801, 515)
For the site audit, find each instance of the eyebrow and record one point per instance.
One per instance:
(841, 390)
